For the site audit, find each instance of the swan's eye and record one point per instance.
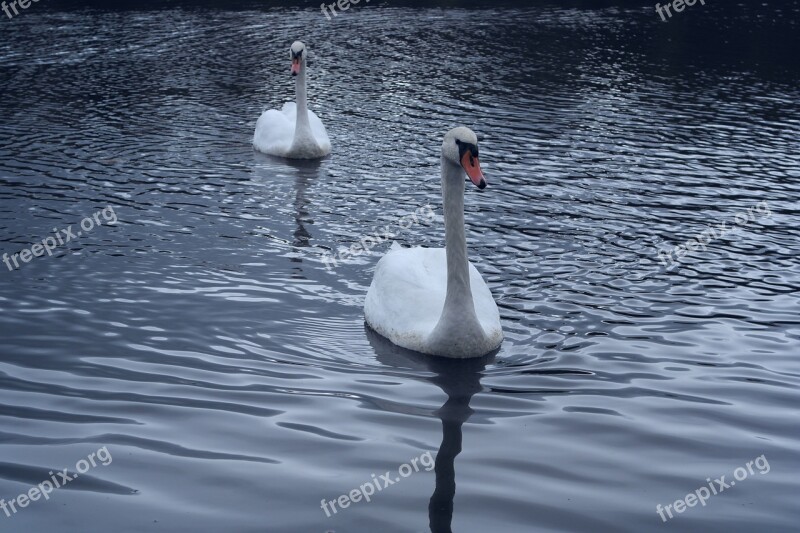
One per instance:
(465, 148)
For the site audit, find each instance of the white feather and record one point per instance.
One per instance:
(275, 131)
(406, 297)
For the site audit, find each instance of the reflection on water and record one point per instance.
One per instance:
(204, 342)
(307, 173)
(460, 380)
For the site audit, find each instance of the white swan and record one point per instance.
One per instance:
(294, 131)
(433, 300)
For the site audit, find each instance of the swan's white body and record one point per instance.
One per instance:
(433, 300)
(295, 131)
(276, 133)
(407, 296)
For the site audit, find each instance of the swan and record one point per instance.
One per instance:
(433, 300)
(294, 131)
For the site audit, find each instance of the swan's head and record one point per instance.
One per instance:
(460, 147)
(297, 53)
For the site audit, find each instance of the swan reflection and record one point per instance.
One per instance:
(460, 380)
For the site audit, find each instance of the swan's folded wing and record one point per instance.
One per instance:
(290, 110)
(407, 294)
(485, 306)
(274, 132)
(318, 129)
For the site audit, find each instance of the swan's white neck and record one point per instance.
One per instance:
(458, 288)
(303, 127)
(304, 144)
(458, 319)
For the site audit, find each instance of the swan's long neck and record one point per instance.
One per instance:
(458, 319)
(458, 289)
(303, 125)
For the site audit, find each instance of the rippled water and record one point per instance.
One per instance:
(205, 344)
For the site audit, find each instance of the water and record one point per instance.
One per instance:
(205, 344)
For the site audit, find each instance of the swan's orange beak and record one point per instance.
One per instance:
(472, 166)
(295, 66)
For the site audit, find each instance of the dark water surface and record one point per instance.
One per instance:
(204, 343)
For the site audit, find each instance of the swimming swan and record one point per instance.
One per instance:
(294, 131)
(433, 300)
